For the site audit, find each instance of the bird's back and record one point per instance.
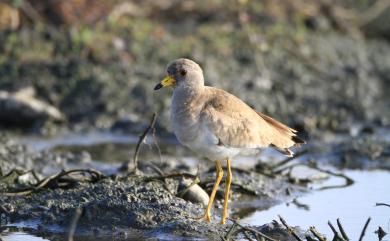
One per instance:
(238, 125)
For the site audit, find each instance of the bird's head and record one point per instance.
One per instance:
(182, 73)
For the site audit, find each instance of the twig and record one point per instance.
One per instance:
(253, 230)
(35, 175)
(349, 181)
(309, 238)
(156, 144)
(142, 137)
(382, 204)
(240, 187)
(194, 182)
(380, 232)
(336, 234)
(289, 229)
(364, 229)
(156, 168)
(173, 175)
(270, 174)
(301, 205)
(342, 231)
(316, 234)
(287, 160)
(73, 224)
(55, 179)
(3, 210)
(247, 236)
(229, 233)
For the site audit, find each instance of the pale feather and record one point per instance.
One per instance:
(237, 125)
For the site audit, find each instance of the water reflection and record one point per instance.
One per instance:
(352, 204)
(20, 236)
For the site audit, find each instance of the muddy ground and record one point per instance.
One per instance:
(121, 204)
(157, 201)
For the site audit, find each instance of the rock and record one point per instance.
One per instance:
(193, 192)
(307, 173)
(23, 108)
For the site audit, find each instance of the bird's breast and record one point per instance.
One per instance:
(185, 124)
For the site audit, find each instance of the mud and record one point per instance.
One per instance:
(119, 204)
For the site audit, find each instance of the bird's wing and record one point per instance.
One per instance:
(235, 124)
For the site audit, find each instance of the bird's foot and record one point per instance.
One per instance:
(223, 220)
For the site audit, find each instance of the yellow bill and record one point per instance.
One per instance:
(167, 81)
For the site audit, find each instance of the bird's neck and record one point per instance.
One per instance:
(187, 94)
(185, 98)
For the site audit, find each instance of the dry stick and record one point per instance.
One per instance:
(271, 175)
(55, 177)
(336, 234)
(364, 229)
(173, 175)
(289, 229)
(349, 180)
(3, 210)
(342, 231)
(287, 160)
(156, 168)
(309, 238)
(253, 230)
(229, 233)
(73, 224)
(183, 192)
(240, 187)
(35, 188)
(140, 141)
(316, 234)
(35, 175)
(382, 204)
(246, 235)
(157, 145)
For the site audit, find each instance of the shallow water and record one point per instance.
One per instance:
(352, 204)
(19, 236)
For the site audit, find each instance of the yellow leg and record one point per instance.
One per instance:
(228, 182)
(207, 214)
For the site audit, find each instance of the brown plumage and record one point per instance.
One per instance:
(237, 125)
(217, 124)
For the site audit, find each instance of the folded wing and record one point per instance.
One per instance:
(235, 124)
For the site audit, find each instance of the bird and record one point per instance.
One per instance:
(219, 125)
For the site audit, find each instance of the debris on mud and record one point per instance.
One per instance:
(120, 202)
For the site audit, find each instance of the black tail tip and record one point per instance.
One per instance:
(298, 140)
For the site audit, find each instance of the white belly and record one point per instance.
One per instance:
(201, 140)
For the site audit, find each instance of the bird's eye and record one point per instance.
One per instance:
(183, 72)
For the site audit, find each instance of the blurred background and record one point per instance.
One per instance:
(76, 64)
(76, 90)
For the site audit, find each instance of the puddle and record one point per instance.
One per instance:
(20, 236)
(104, 146)
(352, 204)
(77, 139)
